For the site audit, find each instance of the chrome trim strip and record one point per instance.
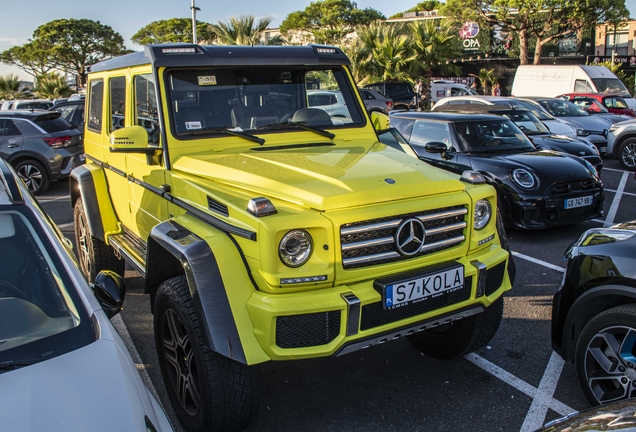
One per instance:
(128, 256)
(481, 277)
(353, 313)
(368, 243)
(370, 258)
(446, 228)
(447, 242)
(372, 227)
(408, 330)
(442, 215)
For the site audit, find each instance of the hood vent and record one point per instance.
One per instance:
(217, 207)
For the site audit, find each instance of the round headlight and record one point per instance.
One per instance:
(483, 211)
(523, 178)
(295, 248)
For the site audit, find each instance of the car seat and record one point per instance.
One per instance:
(250, 113)
(312, 116)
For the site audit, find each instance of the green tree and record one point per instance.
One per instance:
(390, 54)
(543, 20)
(34, 58)
(172, 30)
(52, 86)
(244, 30)
(435, 44)
(76, 44)
(425, 6)
(11, 87)
(486, 78)
(329, 21)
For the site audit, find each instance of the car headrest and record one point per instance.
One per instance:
(7, 229)
(256, 89)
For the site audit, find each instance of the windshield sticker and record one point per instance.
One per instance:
(193, 125)
(207, 80)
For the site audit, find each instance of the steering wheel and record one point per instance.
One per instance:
(522, 128)
(8, 287)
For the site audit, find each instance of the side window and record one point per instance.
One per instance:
(2, 127)
(582, 86)
(10, 129)
(146, 112)
(95, 105)
(67, 113)
(117, 91)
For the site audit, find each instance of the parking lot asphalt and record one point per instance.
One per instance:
(516, 383)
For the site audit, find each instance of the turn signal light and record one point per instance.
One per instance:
(58, 142)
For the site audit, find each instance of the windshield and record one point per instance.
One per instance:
(534, 109)
(528, 123)
(260, 99)
(39, 314)
(590, 105)
(492, 136)
(562, 108)
(611, 86)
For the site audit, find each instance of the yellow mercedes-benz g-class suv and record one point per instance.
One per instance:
(249, 187)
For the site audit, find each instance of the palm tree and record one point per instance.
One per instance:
(389, 53)
(435, 45)
(359, 65)
(243, 31)
(486, 78)
(52, 86)
(10, 87)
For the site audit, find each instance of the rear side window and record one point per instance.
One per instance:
(615, 103)
(34, 105)
(95, 105)
(8, 128)
(54, 125)
(117, 89)
(395, 89)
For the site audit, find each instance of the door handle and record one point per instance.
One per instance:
(12, 146)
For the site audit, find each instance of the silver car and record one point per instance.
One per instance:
(621, 143)
(63, 367)
(374, 100)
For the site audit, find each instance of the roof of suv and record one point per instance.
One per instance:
(34, 114)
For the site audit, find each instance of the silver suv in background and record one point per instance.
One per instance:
(40, 145)
(375, 101)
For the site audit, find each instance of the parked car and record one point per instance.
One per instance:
(63, 367)
(590, 128)
(610, 102)
(594, 312)
(6, 105)
(615, 416)
(554, 125)
(376, 101)
(72, 112)
(31, 104)
(442, 88)
(401, 92)
(536, 131)
(330, 101)
(40, 145)
(536, 188)
(621, 143)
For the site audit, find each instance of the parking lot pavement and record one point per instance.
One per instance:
(516, 383)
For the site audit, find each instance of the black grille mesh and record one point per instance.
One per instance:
(594, 160)
(390, 232)
(573, 186)
(495, 277)
(374, 315)
(298, 331)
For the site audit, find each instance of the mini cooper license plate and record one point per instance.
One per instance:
(577, 202)
(423, 288)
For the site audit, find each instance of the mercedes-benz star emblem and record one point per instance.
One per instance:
(409, 237)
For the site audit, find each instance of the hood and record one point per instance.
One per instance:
(589, 123)
(322, 176)
(91, 388)
(560, 128)
(614, 118)
(564, 144)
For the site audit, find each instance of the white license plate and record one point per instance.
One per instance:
(82, 158)
(577, 202)
(423, 288)
(602, 149)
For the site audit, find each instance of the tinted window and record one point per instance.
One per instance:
(95, 105)
(9, 128)
(426, 131)
(491, 136)
(396, 89)
(117, 90)
(610, 86)
(146, 114)
(34, 105)
(67, 113)
(54, 125)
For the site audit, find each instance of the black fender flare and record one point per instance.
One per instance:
(198, 263)
(82, 186)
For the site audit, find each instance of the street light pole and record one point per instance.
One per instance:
(194, 22)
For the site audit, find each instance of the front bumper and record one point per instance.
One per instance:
(347, 318)
(599, 140)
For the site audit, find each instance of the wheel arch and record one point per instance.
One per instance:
(29, 155)
(620, 141)
(89, 183)
(173, 250)
(587, 306)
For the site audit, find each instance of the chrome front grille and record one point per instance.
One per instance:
(373, 242)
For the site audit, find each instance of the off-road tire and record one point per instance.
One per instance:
(460, 337)
(228, 391)
(626, 154)
(34, 175)
(93, 254)
(617, 323)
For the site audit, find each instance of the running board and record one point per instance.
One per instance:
(127, 250)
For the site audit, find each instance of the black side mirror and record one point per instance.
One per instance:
(435, 147)
(110, 291)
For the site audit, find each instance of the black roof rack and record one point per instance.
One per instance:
(8, 178)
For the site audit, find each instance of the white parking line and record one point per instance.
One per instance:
(543, 398)
(611, 214)
(538, 261)
(518, 383)
(616, 170)
(624, 193)
(66, 225)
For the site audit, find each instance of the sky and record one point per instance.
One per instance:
(20, 18)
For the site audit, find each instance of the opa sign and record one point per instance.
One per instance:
(468, 33)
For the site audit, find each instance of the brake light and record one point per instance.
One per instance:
(58, 142)
(389, 104)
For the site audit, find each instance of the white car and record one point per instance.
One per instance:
(330, 101)
(555, 125)
(63, 367)
(621, 143)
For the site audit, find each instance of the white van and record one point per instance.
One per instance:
(442, 88)
(553, 80)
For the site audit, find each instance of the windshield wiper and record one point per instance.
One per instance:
(300, 125)
(10, 365)
(227, 131)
